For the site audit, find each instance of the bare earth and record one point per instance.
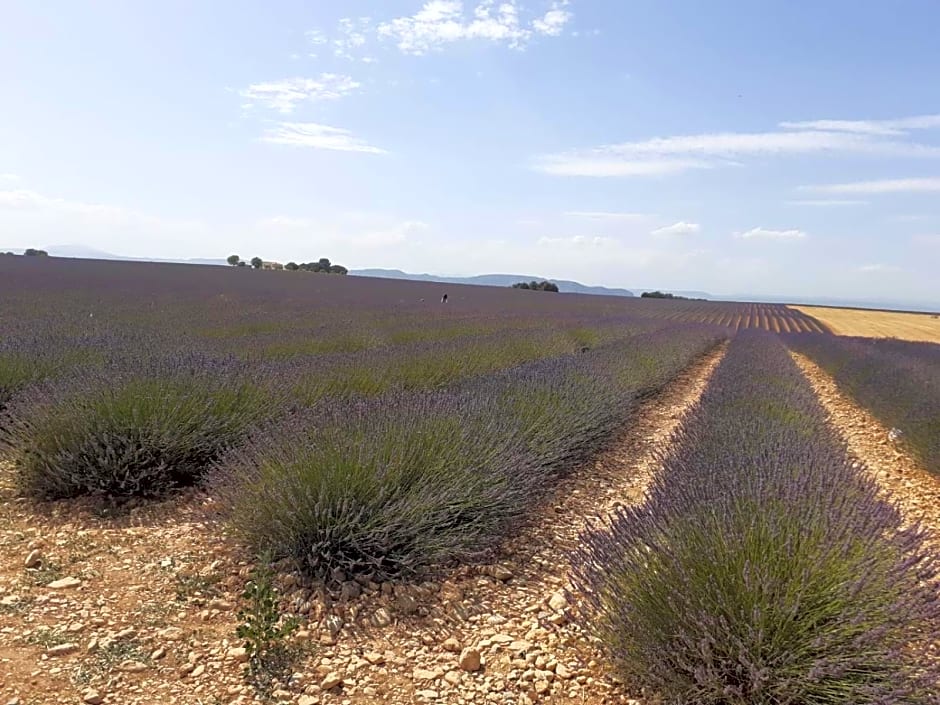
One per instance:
(151, 615)
(877, 324)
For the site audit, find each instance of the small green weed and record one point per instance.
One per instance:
(46, 637)
(196, 586)
(265, 630)
(107, 657)
(45, 573)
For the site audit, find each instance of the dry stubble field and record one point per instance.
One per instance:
(877, 324)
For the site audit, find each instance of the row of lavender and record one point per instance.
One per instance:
(394, 484)
(762, 567)
(381, 461)
(318, 368)
(897, 380)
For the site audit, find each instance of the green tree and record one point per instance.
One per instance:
(292, 266)
(338, 269)
(30, 252)
(257, 262)
(233, 260)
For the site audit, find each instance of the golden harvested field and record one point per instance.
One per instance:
(877, 324)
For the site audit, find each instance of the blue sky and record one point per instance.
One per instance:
(787, 148)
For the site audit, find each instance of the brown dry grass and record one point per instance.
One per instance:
(877, 324)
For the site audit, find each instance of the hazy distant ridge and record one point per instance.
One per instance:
(564, 285)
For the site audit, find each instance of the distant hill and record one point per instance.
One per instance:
(83, 252)
(564, 286)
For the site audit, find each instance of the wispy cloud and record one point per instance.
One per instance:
(606, 215)
(441, 22)
(54, 215)
(9, 177)
(879, 268)
(910, 217)
(760, 233)
(914, 185)
(600, 164)
(927, 239)
(669, 155)
(827, 203)
(553, 22)
(680, 228)
(898, 126)
(577, 241)
(316, 136)
(379, 234)
(353, 36)
(22, 199)
(315, 36)
(286, 94)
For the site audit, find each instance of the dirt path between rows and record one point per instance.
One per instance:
(915, 490)
(150, 616)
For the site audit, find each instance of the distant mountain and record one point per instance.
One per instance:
(564, 286)
(83, 252)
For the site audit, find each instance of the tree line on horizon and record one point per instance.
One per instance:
(322, 265)
(537, 286)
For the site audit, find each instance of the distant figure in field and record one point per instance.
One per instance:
(444, 299)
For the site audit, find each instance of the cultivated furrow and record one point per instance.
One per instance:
(916, 491)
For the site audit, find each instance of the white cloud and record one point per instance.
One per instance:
(680, 228)
(22, 199)
(927, 239)
(311, 134)
(577, 241)
(553, 22)
(596, 163)
(285, 221)
(315, 36)
(760, 233)
(353, 36)
(33, 219)
(441, 22)
(9, 177)
(666, 155)
(827, 203)
(606, 215)
(369, 232)
(879, 268)
(915, 185)
(897, 126)
(284, 95)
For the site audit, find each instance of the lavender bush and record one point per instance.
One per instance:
(762, 568)
(135, 430)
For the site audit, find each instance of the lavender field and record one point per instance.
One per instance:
(278, 388)
(365, 438)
